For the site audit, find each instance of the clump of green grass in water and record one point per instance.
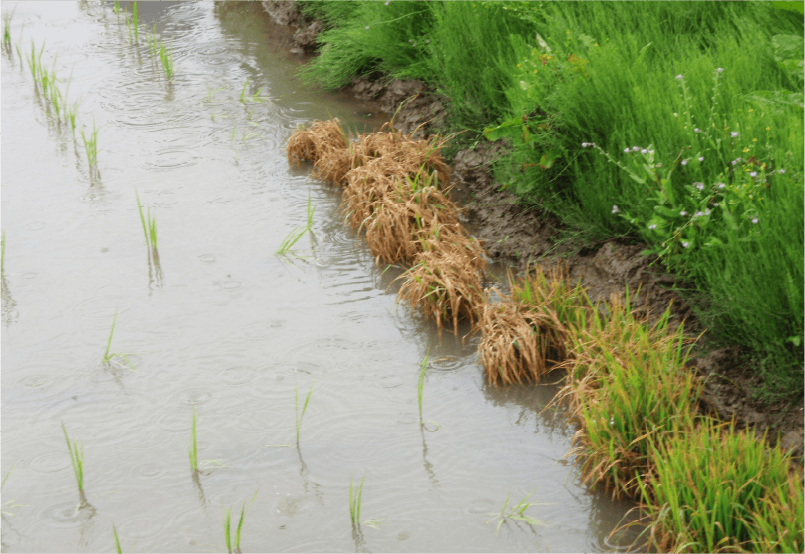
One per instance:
(355, 505)
(718, 490)
(517, 512)
(77, 459)
(299, 417)
(255, 97)
(228, 526)
(117, 541)
(298, 232)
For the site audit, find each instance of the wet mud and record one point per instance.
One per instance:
(520, 236)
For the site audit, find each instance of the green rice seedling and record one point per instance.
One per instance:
(421, 385)
(91, 146)
(517, 512)
(135, 23)
(166, 59)
(107, 357)
(7, 28)
(116, 8)
(228, 525)
(210, 92)
(35, 61)
(193, 449)
(152, 42)
(355, 505)
(117, 541)
(298, 232)
(72, 111)
(6, 477)
(149, 230)
(718, 490)
(299, 417)
(77, 459)
(2, 254)
(9, 503)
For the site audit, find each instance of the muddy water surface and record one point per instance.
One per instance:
(224, 326)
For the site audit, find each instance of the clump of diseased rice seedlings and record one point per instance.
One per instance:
(517, 512)
(714, 489)
(77, 460)
(228, 526)
(627, 386)
(298, 232)
(299, 417)
(526, 336)
(445, 284)
(308, 145)
(114, 530)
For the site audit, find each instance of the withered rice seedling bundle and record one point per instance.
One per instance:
(309, 145)
(445, 282)
(526, 336)
(366, 185)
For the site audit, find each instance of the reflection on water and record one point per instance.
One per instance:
(221, 324)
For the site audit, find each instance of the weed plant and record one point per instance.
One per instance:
(234, 545)
(517, 512)
(77, 459)
(294, 236)
(299, 417)
(701, 500)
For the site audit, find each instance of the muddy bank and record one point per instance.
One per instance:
(520, 236)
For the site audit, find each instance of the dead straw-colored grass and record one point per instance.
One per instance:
(445, 284)
(526, 336)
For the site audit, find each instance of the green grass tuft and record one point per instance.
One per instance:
(517, 512)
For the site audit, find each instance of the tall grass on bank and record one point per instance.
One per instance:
(304, 408)
(700, 500)
(77, 460)
(678, 80)
(233, 543)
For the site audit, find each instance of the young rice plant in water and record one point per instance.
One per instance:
(234, 545)
(193, 449)
(299, 417)
(517, 512)
(77, 460)
(355, 505)
(294, 236)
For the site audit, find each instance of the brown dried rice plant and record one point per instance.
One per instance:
(445, 283)
(366, 185)
(310, 144)
(408, 215)
(526, 336)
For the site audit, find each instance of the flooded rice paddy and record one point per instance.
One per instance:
(217, 323)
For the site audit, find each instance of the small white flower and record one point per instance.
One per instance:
(754, 220)
(685, 244)
(781, 171)
(584, 145)
(659, 165)
(367, 28)
(721, 185)
(675, 115)
(698, 214)
(635, 148)
(696, 130)
(626, 151)
(707, 211)
(753, 173)
(615, 209)
(720, 70)
(701, 158)
(683, 212)
(684, 162)
(699, 186)
(734, 134)
(651, 151)
(652, 226)
(643, 151)
(679, 77)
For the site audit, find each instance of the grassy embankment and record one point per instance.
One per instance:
(707, 97)
(639, 435)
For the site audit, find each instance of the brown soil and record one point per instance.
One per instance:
(520, 236)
